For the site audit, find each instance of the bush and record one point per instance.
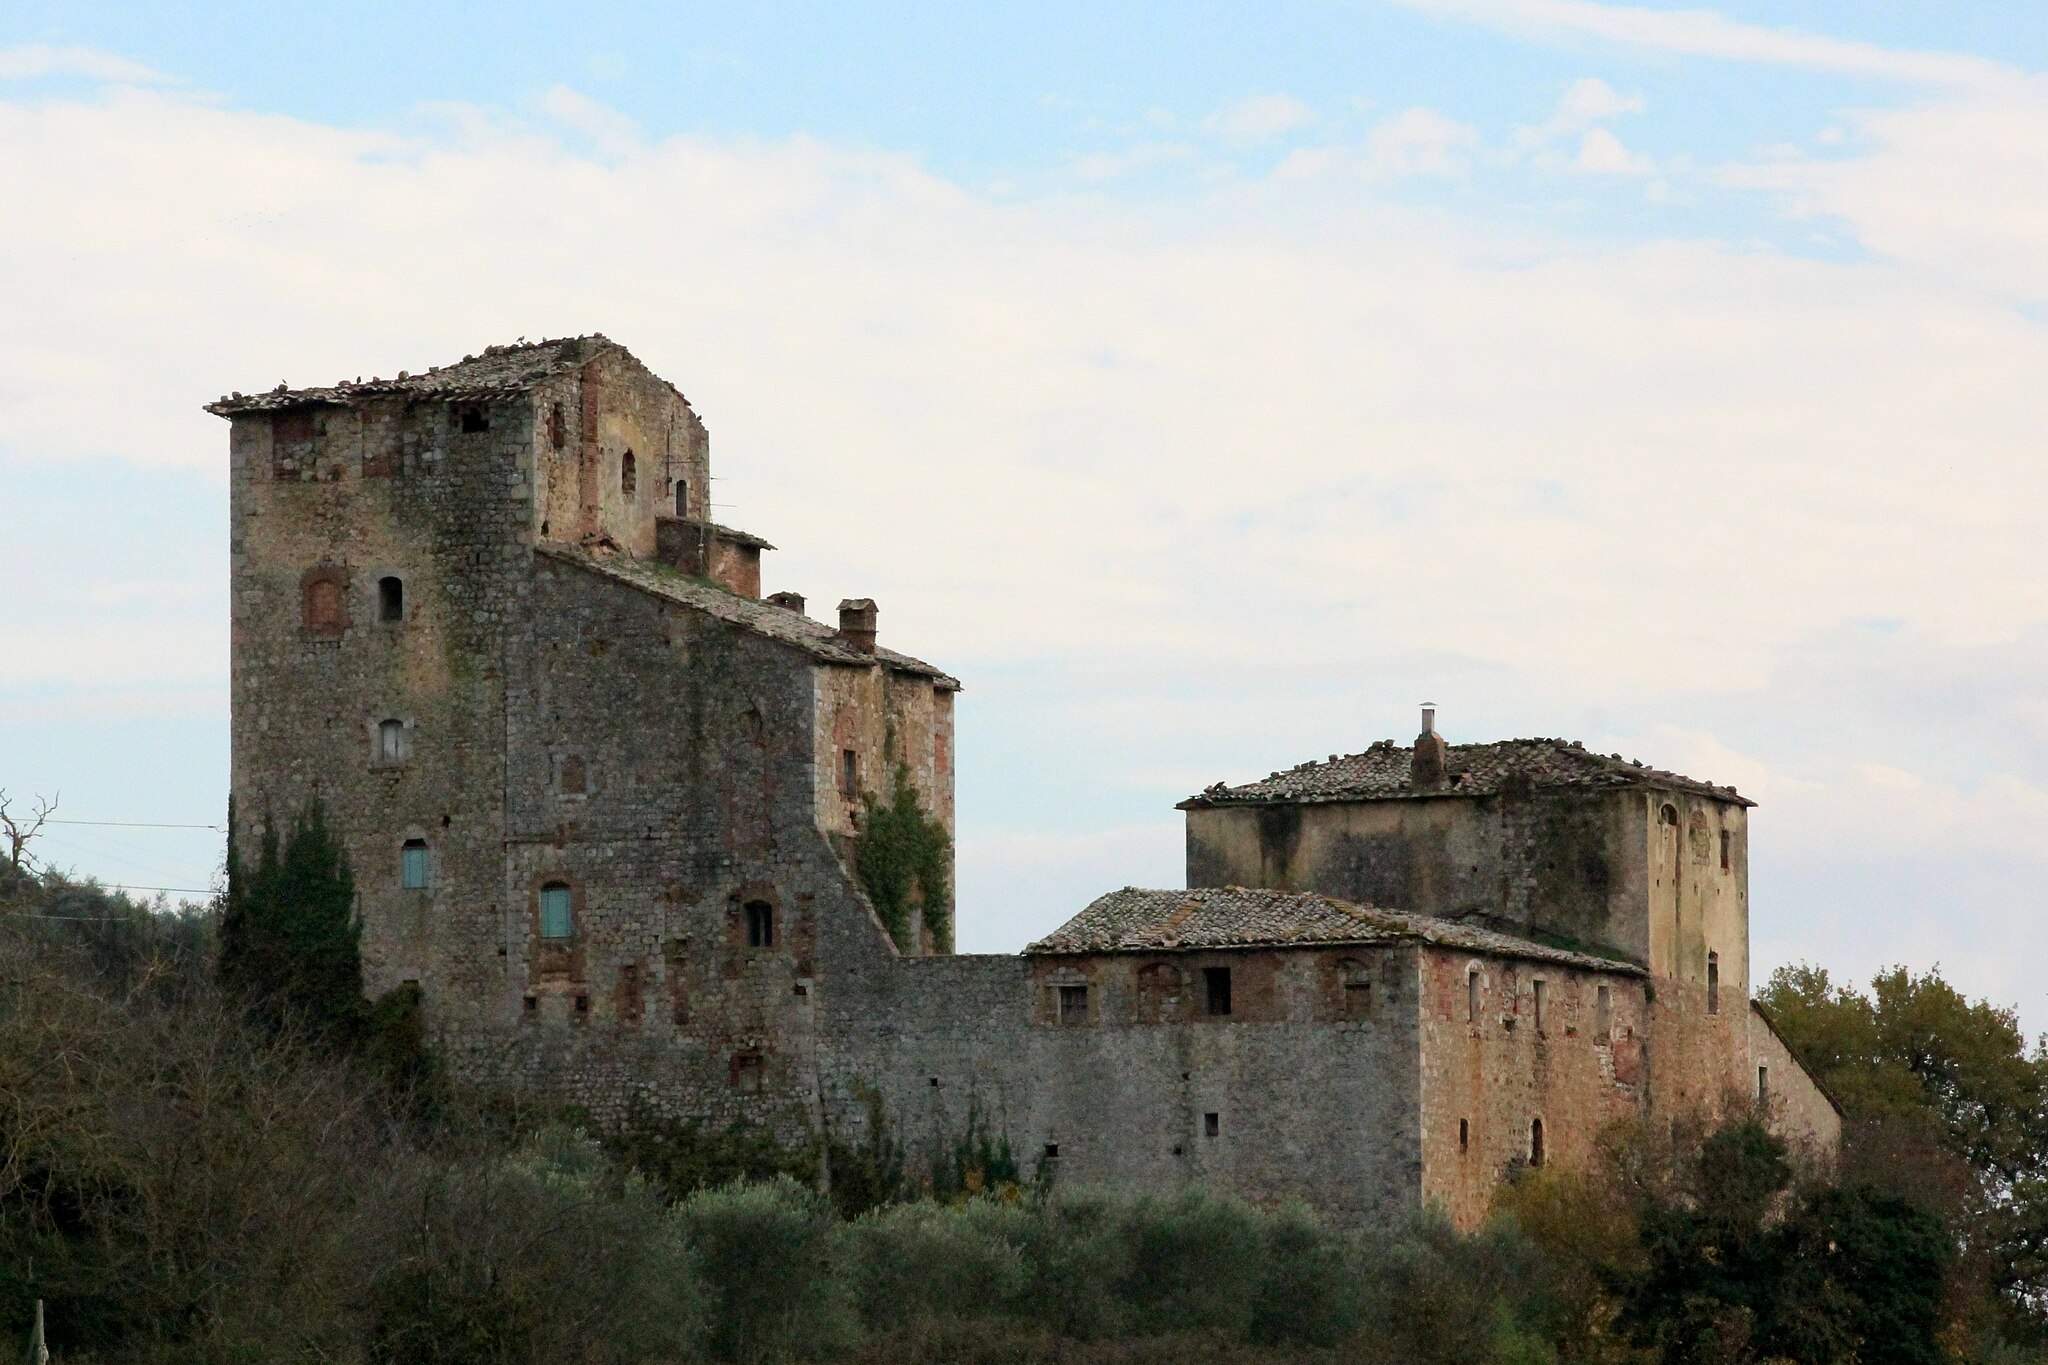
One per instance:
(1193, 1264)
(1310, 1289)
(769, 1259)
(935, 1261)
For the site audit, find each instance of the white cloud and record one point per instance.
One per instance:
(1602, 153)
(1584, 104)
(1260, 118)
(27, 61)
(1705, 33)
(1421, 141)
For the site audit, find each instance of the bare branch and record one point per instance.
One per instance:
(16, 831)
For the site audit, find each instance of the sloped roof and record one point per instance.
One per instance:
(1137, 920)
(763, 618)
(498, 372)
(1381, 773)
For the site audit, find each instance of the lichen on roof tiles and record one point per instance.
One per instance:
(1383, 773)
(1141, 920)
(495, 372)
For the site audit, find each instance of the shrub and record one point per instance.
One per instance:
(1194, 1264)
(1310, 1289)
(934, 1261)
(768, 1258)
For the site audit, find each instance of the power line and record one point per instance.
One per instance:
(136, 824)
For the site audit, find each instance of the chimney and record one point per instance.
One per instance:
(857, 623)
(794, 601)
(1427, 770)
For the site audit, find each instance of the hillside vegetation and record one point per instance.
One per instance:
(242, 1161)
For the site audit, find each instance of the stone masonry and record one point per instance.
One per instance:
(603, 801)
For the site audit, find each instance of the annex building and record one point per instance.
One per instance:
(604, 800)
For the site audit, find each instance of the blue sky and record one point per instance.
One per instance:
(1206, 385)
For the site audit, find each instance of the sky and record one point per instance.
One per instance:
(1206, 385)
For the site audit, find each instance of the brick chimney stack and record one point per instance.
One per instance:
(857, 623)
(793, 601)
(1431, 764)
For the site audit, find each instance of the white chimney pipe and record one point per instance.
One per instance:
(1429, 718)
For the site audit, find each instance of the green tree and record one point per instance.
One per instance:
(290, 943)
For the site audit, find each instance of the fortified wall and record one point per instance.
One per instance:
(607, 806)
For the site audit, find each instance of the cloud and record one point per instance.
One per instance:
(32, 60)
(1584, 106)
(1260, 118)
(1705, 33)
(1420, 141)
(1601, 153)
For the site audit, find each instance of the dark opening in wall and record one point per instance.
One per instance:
(583, 1004)
(849, 773)
(1726, 838)
(1216, 989)
(629, 474)
(532, 1003)
(1603, 1014)
(683, 498)
(390, 599)
(760, 924)
(1668, 815)
(1464, 1136)
(1212, 1124)
(1472, 996)
(1073, 1004)
(1542, 994)
(1536, 1142)
(473, 417)
(1713, 983)
(1763, 1082)
(1052, 1151)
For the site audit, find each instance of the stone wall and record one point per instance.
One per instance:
(1799, 1109)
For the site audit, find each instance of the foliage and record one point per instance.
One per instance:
(904, 859)
(683, 1156)
(290, 945)
(768, 1256)
(1946, 1108)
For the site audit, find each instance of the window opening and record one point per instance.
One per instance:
(1713, 983)
(746, 1073)
(1212, 1124)
(391, 741)
(1356, 980)
(629, 477)
(1536, 1142)
(324, 612)
(1472, 996)
(1052, 1151)
(412, 865)
(1073, 1004)
(532, 1003)
(390, 599)
(1763, 1082)
(849, 773)
(575, 775)
(474, 418)
(1668, 815)
(558, 427)
(1542, 999)
(760, 924)
(1464, 1136)
(1726, 838)
(1603, 1014)
(1216, 989)
(683, 499)
(583, 1004)
(555, 916)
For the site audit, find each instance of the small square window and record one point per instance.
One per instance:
(1212, 1124)
(1073, 1004)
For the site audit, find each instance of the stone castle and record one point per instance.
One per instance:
(604, 801)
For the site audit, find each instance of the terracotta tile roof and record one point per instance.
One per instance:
(499, 372)
(1137, 920)
(1381, 773)
(764, 618)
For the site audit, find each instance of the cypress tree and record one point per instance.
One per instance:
(290, 944)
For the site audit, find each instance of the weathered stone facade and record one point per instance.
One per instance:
(604, 803)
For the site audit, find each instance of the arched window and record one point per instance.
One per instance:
(1536, 1142)
(1668, 815)
(629, 478)
(683, 498)
(391, 741)
(412, 865)
(1713, 983)
(556, 919)
(760, 924)
(1472, 995)
(390, 599)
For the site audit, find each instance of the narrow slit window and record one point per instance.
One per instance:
(760, 924)
(1536, 1142)
(683, 499)
(1472, 996)
(1216, 989)
(1763, 1082)
(1542, 1001)
(412, 865)
(629, 474)
(1727, 839)
(1713, 983)
(556, 919)
(1212, 1125)
(1073, 1004)
(1464, 1136)
(849, 773)
(1603, 1014)
(390, 599)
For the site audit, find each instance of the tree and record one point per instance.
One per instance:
(290, 943)
(18, 831)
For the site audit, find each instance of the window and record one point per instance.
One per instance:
(1542, 992)
(746, 1073)
(412, 865)
(1472, 995)
(1216, 989)
(1212, 1124)
(472, 417)
(391, 741)
(629, 477)
(556, 920)
(558, 427)
(1668, 815)
(760, 924)
(1464, 1136)
(683, 498)
(1603, 1014)
(1354, 979)
(323, 609)
(1726, 839)
(1073, 1004)
(1536, 1142)
(390, 599)
(575, 775)
(849, 774)
(1052, 1151)
(1713, 983)
(1763, 1082)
